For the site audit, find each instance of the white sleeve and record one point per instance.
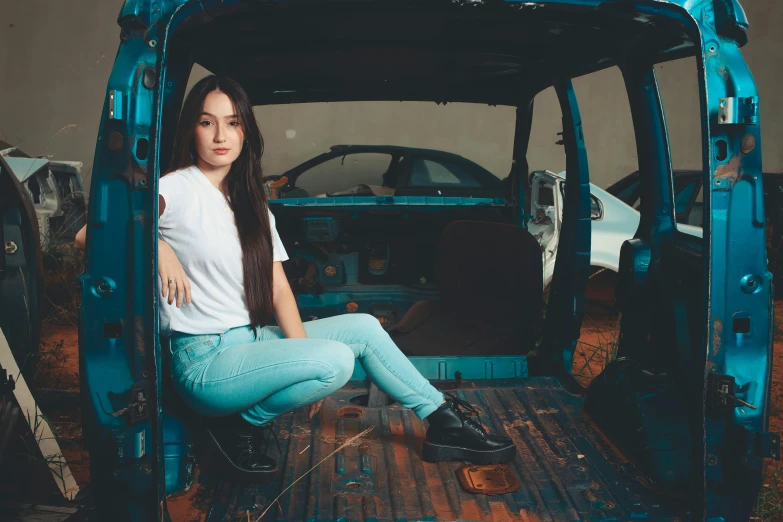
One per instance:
(177, 192)
(278, 250)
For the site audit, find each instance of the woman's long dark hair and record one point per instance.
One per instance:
(245, 189)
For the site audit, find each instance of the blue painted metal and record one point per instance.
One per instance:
(392, 201)
(119, 282)
(565, 310)
(736, 254)
(333, 301)
(118, 288)
(731, 16)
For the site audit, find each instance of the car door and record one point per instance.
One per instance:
(21, 270)
(545, 221)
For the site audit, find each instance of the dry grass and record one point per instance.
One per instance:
(769, 505)
(52, 369)
(597, 347)
(63, 264)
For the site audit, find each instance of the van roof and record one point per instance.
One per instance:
(430, 50)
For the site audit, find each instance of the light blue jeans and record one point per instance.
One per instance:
(261, 379)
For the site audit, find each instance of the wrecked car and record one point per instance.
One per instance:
(22, 279)
(676, 428)
(378, 170)
(56, 191)
(689, 208)
(613, 222)
(688, 196)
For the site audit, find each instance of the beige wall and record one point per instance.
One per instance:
(56, 59)
(295, 133)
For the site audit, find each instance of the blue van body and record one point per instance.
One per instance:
(697, 315)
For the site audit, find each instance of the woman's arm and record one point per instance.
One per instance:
(287, 315)
(169, 267)
(81, 235)
(284, 304)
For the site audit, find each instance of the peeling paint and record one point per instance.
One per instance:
(297, 432)
(717, 327)
(748, 143)
(528, 516)
(729, 171)
(501, 513)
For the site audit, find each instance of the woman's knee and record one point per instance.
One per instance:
(341, 359)
(365, 323)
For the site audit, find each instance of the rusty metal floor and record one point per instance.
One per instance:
(567, 471)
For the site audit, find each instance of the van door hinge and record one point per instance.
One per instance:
(115, 105)
(766, 445)
(743, 111)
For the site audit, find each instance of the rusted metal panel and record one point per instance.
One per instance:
(493, 479)
(565, 468)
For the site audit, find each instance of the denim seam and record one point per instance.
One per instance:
(194, 381)
(187, 349)
(304, 402)
(193, 359)
(391, 370)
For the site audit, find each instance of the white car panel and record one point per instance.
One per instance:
(617, 224)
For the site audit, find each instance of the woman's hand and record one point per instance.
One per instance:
(81, 238)
(172, 275)
(315, 408)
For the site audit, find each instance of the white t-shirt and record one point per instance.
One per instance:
(199, 226)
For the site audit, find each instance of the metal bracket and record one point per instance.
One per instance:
(742, 111)
(720, 395)
(719, 390)
(766, 445)
(115, 105)
(138, 406)
(139, 444)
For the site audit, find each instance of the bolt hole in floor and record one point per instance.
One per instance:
(350, 412)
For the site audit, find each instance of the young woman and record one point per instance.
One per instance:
(220, 260)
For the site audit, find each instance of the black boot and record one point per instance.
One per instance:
(241, 448)
(453, 435)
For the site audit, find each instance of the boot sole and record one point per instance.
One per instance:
(222, 464)
(432, 452)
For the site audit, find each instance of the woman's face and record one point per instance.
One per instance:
(218, 136)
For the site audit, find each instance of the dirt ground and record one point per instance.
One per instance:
(60, 367)
(600, 329)
(771, 498)
(776, 413)
(60, 371)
